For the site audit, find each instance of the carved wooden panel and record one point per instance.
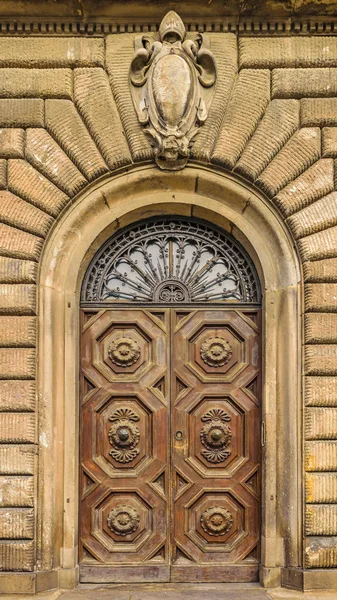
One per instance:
(216, 448)
(124, 458)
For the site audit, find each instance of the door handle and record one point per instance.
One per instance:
(179, 435)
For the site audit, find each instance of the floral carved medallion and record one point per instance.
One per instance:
(124, 352)
(123, 520)
(215, 435)
(216, 351)
(216, 520)
(124, 435)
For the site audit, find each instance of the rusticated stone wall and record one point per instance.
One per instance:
(66, 118)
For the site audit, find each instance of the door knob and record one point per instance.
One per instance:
(179, 435)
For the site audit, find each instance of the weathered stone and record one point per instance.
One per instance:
(321, 423)
(3, 174)
(320, 391)
(320, 297)
(314, 183)
(17, 428)
(319, 215)
(48, 158)
(19, 244)
(321, 488)
(17, 395)
(16, 556)
(266, 53)
(299, 153)
(317, 112)
(16, 491)
(66, 126)
(329, 142)
(319, 245)
(17, 332)
(304, 83)
(321, 552)
(278, 124)
(16, 523)
(18, 299)
(320, 360)
(17, 363)
(28, 183)
(51, 52)
(36, 83)
(95, 103)
(321, 519)
(17, 460)
(12, 143)
(19, 213)
(119, 53)
(224, 48)
(245, 108)
(320, 271)
(13, 270)
(321, 456)
(21, 112)
(320, 328)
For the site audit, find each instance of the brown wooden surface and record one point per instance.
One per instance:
(170, 486)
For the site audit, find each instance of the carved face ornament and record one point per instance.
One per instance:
(169, 78)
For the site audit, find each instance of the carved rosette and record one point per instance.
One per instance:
(124, 435)
(216, 520)
(172, 79)
(216, 435)
(216, 351)
(124, 352)
(123, 520)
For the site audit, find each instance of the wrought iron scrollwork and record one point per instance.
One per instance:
(169, 261)
(124, 435)
(216, 435)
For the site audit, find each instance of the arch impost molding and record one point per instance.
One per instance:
(93, 217)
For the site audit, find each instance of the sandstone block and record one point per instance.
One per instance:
(48, 158)
(320, 297)
(321, 456)
(16, 491)
(3, 174)
(320, 423)
(19, 213)
(317, 112)
(19, 244)
(320, 391)
(12, 143)
(119, 53)
(17, 395)
(51, 52)
(17, 428)
(320, 271)
(16, 556)
(17, 363)
(319, 245)
(321, 488)
(248, 103)
(96, 105)
(17, 460)
(16, 523)
(21, 112)
(321, 552)
(266, 53)
(320, 328)
(320, 360)
(28, 183)
(314, 183)
(321, 519)
(278, 124)
(329, 142)
(319, 215)
(14, 270)
(36, 83)
(299, 153)
(17, 332)
(304, 83)
(18, 299)
(67, 128)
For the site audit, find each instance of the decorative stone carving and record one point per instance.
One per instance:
(215, 435)
(124, 435)
(216, 351)
(171, 79)
(216, 520)
(124, 352)
(123, 520)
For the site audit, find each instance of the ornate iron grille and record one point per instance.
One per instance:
(171, 260)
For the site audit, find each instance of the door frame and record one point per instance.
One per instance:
(93, 217)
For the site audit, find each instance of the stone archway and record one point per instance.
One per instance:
(78, 234)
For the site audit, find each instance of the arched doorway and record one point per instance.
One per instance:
(170, 467)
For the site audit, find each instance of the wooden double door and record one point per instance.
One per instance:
(170, 445)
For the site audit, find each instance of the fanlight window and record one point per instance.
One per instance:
(171, 260)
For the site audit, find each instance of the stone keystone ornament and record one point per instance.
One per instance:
(172, 87)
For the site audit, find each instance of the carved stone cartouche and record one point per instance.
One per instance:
(170, 79)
